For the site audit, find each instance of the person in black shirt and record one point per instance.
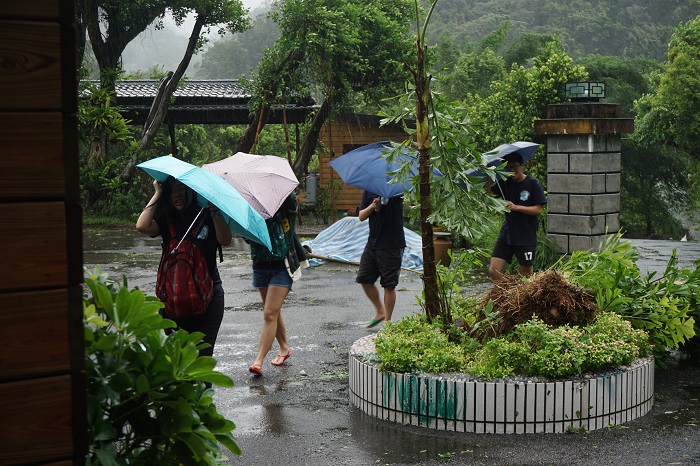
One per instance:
(524, 198)
(176, 202)
(383, 253)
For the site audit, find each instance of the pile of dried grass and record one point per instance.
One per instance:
(548, 295)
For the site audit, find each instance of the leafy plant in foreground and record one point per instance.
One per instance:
(662, 305)
(147, 399)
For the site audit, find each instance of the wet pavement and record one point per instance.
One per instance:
(300, 413)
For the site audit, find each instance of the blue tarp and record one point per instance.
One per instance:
(345, 240)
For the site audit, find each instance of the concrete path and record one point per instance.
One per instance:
(300, 414)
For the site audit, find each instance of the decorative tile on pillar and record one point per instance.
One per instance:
(612, 222)
(593, 204)
(612, 183)
(595, 163)
(575, 184)
(571, 143)
(557, 163)
(576, 224)
(561, 242)
(558, 203)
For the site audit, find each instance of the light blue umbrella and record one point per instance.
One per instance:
(368, 169)
(240, 216)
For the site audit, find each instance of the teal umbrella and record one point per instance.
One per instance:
(240, 216)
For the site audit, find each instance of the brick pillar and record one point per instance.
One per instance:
(583, 172)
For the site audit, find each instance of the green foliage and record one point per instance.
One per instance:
(459, 202)
(535, 349)
(414, 345)
(451, 280)
(637, 315)
(473, 74)
(347, 45)
(639, 28)
(96, 115)
(247, 47)
(147, 397)
(531, 349)
(665, 306)
(326, 197)
(672, 115)
(523, 96)
(626, 79)
(654, 185)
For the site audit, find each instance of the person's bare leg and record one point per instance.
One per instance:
(372, 292)
(526, 270)
(389, 302)
(496, 267)
(273, 298)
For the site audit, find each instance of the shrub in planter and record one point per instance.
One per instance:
(532, 348)
(665, 305)
(147, 399)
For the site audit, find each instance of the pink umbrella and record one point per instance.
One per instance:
(264, 181)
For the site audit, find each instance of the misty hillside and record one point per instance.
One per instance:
(625, 28)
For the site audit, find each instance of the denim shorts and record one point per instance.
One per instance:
(274, 274)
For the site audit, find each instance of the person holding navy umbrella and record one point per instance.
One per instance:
(524, 198)
(383, 253)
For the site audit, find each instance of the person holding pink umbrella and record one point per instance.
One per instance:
(274, 272)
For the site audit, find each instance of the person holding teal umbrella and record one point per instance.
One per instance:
(172, 212)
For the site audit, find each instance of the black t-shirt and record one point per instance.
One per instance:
(206, 240)
(520, 229)
(385, 225)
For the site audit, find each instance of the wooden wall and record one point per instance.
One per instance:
(42, 382)
(343, 134)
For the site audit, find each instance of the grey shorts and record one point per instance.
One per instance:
(384, 263)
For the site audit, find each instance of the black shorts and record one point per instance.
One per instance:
(505, 251)
(384, 263)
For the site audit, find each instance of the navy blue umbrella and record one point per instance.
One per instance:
(497, 156)
(367, 168)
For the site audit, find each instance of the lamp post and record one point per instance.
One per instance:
(587, 91)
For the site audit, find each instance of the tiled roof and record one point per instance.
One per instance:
(201, 102)
(228, 89)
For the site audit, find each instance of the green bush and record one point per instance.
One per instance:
(147, 397)
(531, 349)
(412, 344)
(664, 305)
(535, 349)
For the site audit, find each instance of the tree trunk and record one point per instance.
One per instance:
(269, 94)
(430, 286)
(159, 108)
(308, 147)
(247, 140)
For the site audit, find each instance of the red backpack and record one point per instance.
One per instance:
(184, 284)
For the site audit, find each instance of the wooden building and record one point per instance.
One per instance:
(343, 134)
(42, 381)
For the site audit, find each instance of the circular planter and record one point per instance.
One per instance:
(462, 405)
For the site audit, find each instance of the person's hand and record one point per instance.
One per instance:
(376, 203)
(212, 208)
(157, 186)
(511, 207)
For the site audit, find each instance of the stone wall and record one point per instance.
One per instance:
(583, 172)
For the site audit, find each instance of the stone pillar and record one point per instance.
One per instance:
(583, 172)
